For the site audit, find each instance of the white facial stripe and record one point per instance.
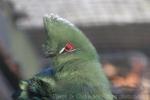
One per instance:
(62, 50)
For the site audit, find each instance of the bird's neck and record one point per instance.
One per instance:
(69, 59)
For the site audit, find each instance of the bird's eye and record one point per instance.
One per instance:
(69, 47)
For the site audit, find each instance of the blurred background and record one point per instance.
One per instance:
(119, 29)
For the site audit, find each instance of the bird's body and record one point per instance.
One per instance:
(78, 74)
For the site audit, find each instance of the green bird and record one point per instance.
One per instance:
(78, 75)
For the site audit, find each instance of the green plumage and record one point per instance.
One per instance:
(78, 73)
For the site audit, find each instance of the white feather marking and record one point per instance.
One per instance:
(62, 50)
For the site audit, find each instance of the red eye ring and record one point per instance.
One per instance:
(69, 47)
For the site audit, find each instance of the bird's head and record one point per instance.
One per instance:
(64, 39)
